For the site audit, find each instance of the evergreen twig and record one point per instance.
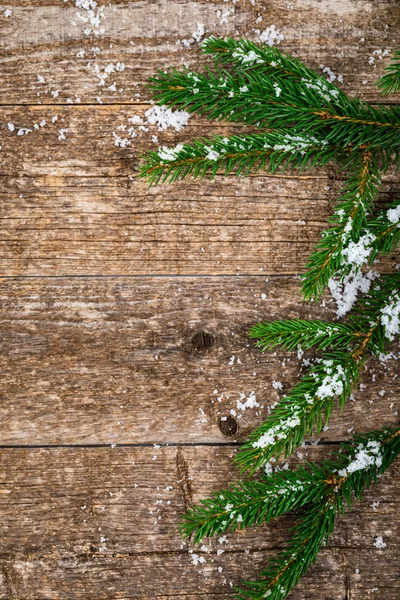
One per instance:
(390, 82)
(326, 490)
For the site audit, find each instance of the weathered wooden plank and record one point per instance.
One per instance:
(147, 359)
(90, 226)
(86, 146)
(102, 523)
(48, 39)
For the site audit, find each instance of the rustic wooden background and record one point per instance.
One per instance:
(121, 308)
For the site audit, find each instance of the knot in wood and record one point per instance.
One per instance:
(228, 425)
(202, 341)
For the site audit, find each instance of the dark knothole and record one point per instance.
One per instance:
(202, 340)
(228, 425)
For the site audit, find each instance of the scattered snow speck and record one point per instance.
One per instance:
(393, 215)
(271, 36)
(379, 543)
(163, 117)
(278, 90)
(61, 134)
(7, 13)
(197, 559)
(330, 75)
(345, 291)
(250, 402)
(199, 33)
(366, 456)
(277, 385)
(390, 316)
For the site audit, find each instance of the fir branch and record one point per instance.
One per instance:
(289, 565)
(246, 55)
(297, 333)
(326, 490)
(367, 457)
(390, 82)
(384, 231)
(367, 315)
(316, 122)
(252, 98)
(272, 151)
(253, 502)
(350, 216)
(308, 405)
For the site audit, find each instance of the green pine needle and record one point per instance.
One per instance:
(297, 333)
(346, 224)
(390, 82)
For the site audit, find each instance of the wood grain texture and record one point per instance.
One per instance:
(106, 360)
(102, 523)
(41, 39)
(130, 348)
(113, 226)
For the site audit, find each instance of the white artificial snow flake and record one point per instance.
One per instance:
(379, 543)
(249, 402)
(92, 15)
(23, 131)
(211, 154)
(357, 253)
(199, 33)
(250, 57)
(163, 117)
(278, 90)
(41, 79)
(271, 36)
(277, 385)
(7, 13)
(197, 560)
(279, 431)
(61, 134)
(298, 143)
(320, 86)
(11, 126)
(223, 540)
(345, 290)
(169, 154)
(244, 88)
(367, 456)
(390, 316)
(332, 383)
(393, 215)
(135, 120)
(331, 77)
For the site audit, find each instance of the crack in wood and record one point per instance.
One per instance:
(183, 480)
